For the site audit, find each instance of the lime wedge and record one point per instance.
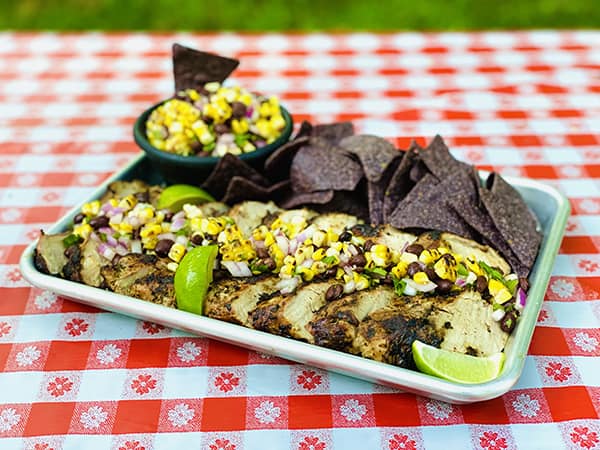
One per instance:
(177, 195)
(456, 366)
(193, 276)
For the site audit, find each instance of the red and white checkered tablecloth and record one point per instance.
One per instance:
(73, 377)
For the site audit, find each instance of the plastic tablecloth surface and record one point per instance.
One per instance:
(73, 377)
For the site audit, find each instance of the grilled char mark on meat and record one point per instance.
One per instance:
(142, 276)
(461, 322)
(288, 315)
(230, 299)
(49, 256)
(335, 325)
(386, 235)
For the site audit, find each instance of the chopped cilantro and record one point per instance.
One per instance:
(462, 270)
(329, 260)
(183, 232)
(240, 139)
(491, 272)
(102, 237)
(376, 272)
(511, 285)
(209, 147)
(72, 239)
(258, 267)
(399, 286)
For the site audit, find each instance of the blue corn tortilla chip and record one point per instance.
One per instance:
(439, 161)
(305, 129)
(322, 166)
(512, 217)
(376, 193)
(277, 165)
(400, 184)
(242, 189)
(349, 202)
(333, 132)
(192, 69)
(426, 207)
(228, 167)
(374, 153)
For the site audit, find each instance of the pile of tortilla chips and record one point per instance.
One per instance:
(329, 168)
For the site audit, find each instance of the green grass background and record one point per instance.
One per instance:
(297, 15)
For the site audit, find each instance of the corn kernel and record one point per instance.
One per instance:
(421, 278)
(495, 286)
(125, 227)
(113, 202)
(264, 109)
(289, 259)
(259, 234)
(150, 242)
(399, 270)
(287, 270)
(332, 236)
(445, 270)
(176, 252)
(502, 296)
(339, 273)
(319, 254)
(379, 255)
(361, 282)
(150, 230)
(429, 256)
(83, 230)
(128, 202)
(318, 238)
(172, 266)
(91, 208)
(307, 274)
(239, 126)
(269, 239)
(205, 137)
(276, 224)
(473, 266)
(319, 266)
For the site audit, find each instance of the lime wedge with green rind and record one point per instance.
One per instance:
(174, 197)
(193, 277)
(456, 367)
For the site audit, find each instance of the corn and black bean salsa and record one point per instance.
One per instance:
(296, 251)
(214, 121)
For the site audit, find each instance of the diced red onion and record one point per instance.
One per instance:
(249, 112)
(498, 315)
(288, 285)
(307, 233)
(308, 262)
(237, 269)
(257, 244)
(124, 240)
(520, 299)
(404, 247)
(283, 244)
(460, 282)
(177, 224)
(122, 251)
(136, 246)
(106, 251)
(134, 221)
(344, 258)
(353, 250)
(111, 241)
(408, 289)
(170, 236)
(95, 237)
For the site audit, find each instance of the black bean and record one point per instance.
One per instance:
(331, 272)
(262, 253)
(221, 128)
(481, 284)
(388, 280)
(197, 239)
(345, 236)
(413, 268)
(79, 218)
(238, 110)
(524, 283)
(220, 274)
(415, 249)
(116, 259)
(99, 222)
(269, 262)
(168, 216)
(334, 292)
(163, 246)
(508, 322)
(70, 250)
(444, 286)
(368, 244)
(431, 274)
(358, 260)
